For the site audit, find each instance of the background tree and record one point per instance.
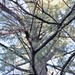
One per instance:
(37, 37)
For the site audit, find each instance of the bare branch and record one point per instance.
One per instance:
(66, 63)
(47, 13)
(53, 36)
(12, 13)
(72, 9)
(13, 51)
(48, 40)
(66, 4)
(70, 36)
(16, 67)
(16, 17)
(35, 15)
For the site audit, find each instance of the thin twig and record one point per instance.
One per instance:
(67, 4)
(28, 13)
(16, 67)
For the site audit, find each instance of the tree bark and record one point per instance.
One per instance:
(41, 67)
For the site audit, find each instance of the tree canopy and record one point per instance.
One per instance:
(37, 37)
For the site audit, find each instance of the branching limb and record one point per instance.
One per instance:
(16, 67)
(72, 9)
(13, 51)
(66, 63)
(28, 13)
(4, 8)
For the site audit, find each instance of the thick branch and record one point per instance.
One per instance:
(64, 66)
(68, 14)
(60, 28)
(4, 8)
(43, 44)
(62, 22)
(59, 68)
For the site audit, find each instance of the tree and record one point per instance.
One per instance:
(37, 31)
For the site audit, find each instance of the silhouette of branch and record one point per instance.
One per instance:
(28, 13)
(59, 68)
(4, 8)
(61, 26)
(72, 9)
(46, 13)
(13, 68)
(8, 48)
(16, 67)
(44, 43)
(66, 4)
(66, 63)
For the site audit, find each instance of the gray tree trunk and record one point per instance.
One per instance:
(41, 67)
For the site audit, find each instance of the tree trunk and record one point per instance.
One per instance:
(41, 68)
(40, 65)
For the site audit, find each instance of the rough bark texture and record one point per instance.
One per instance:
(41, 68)
(40, 65)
